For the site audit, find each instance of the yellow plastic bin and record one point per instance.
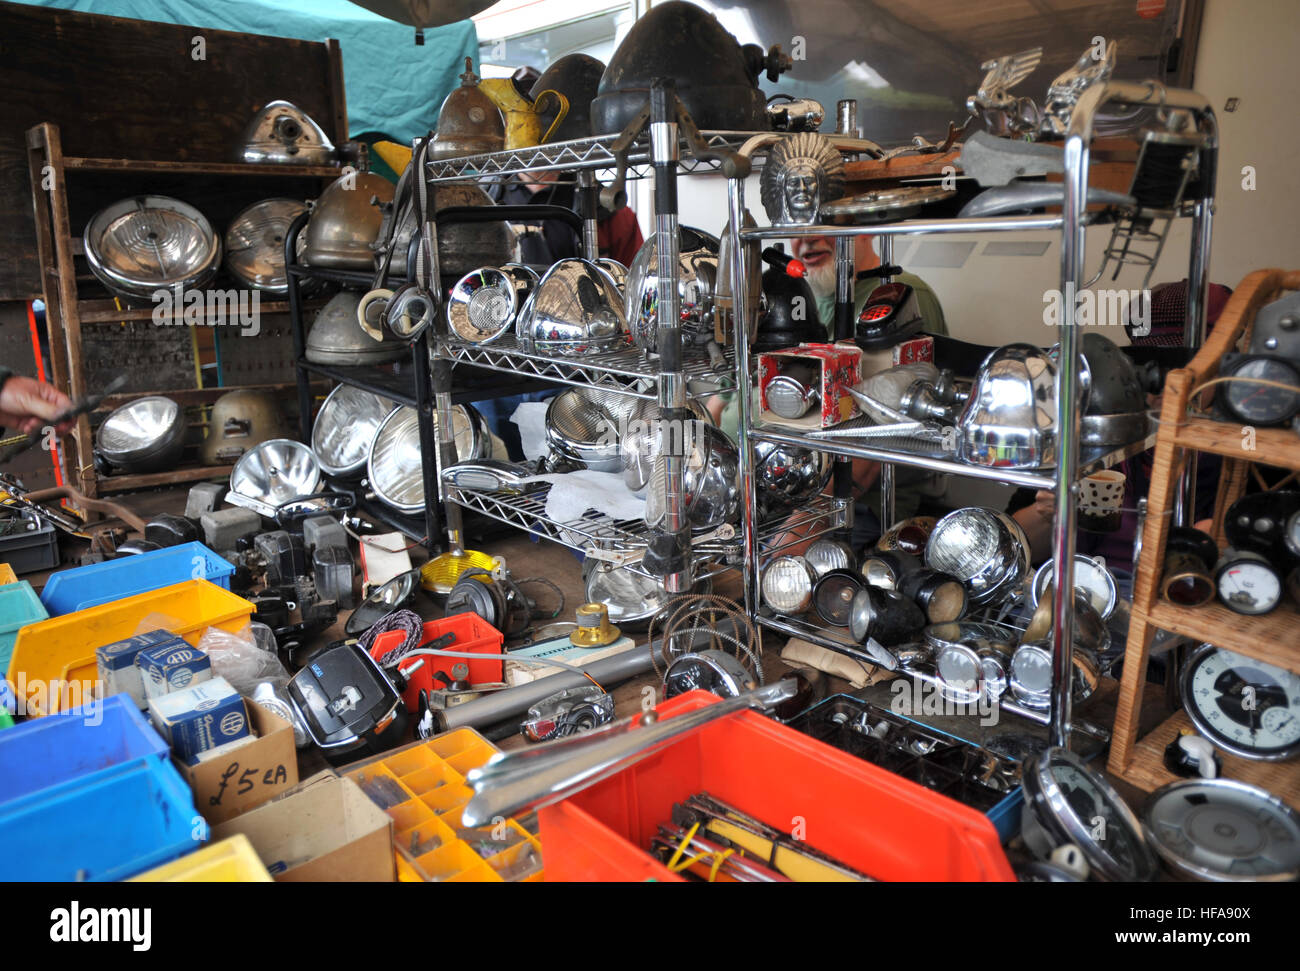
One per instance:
(7, 574)
(422, 787)
(53, 662)
(232, 860)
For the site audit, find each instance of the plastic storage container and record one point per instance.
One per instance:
(868, 818)
(56, 658)
(7, 574)
(89, 795)
(473, 634)
(422, 787)
(231, 860)
(31, 550)
(126, 576)
(19, 606)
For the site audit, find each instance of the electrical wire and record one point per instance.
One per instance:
(1244, 380)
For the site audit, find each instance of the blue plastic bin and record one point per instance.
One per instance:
(83, 801)
(101, 583)
(19, 606)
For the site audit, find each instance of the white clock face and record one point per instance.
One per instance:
(1245, 705)
(1250, 587)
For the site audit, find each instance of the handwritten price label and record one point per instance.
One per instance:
(246, 780)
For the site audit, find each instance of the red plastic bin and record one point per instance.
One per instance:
(881, 824)
(473, 634)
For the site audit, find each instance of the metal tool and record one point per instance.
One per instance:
(510, 784)
(12, 447)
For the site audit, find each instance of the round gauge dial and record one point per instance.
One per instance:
(1243, 706)
(1261, 404)
(1249, 584)
(1073, 804)
(1220, 829)
(1291, 533)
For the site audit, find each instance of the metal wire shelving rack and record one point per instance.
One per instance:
(1073, 461)
(629, 372)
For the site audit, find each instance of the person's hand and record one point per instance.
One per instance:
(1044, 505)
(26, 404)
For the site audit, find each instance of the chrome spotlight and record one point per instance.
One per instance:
(345, 427)
(143, 435)
(255, 244)
(983, 548)
(577, 310)
(272, 474)
(143, 244)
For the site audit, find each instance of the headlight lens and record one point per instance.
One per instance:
(787, 585)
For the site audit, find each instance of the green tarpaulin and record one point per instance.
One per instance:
(393, 85)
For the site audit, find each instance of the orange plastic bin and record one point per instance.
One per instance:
(872, 820)
(474, 635)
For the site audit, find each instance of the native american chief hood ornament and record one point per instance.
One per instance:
(802, 172)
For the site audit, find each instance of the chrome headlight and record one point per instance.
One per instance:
(482, 305)
(632, 598)
(142, 435)
(1010, 418)
(696, 279)
(577, 310)
(1090, 577)
(789, 475)
(971, 658)
(825, 555)
(586, 425)
(985, 549)
(643, 438)
(787, 584)
(394, 466)
(255, 244)
(345, 428)
(711, 479)
(1030, 674)
(143, 244)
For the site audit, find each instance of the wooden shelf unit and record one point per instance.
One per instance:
(66, 311)
(1272, 638)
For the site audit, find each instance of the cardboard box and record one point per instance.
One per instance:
(840, 367)
(171, 667)
(117, 668)
(248, 776)
(200, 717)
(324, 830)
(910, 351)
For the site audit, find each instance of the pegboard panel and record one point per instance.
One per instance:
(266, 358)
(153, 358)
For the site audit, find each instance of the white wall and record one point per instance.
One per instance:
(1246, 51)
